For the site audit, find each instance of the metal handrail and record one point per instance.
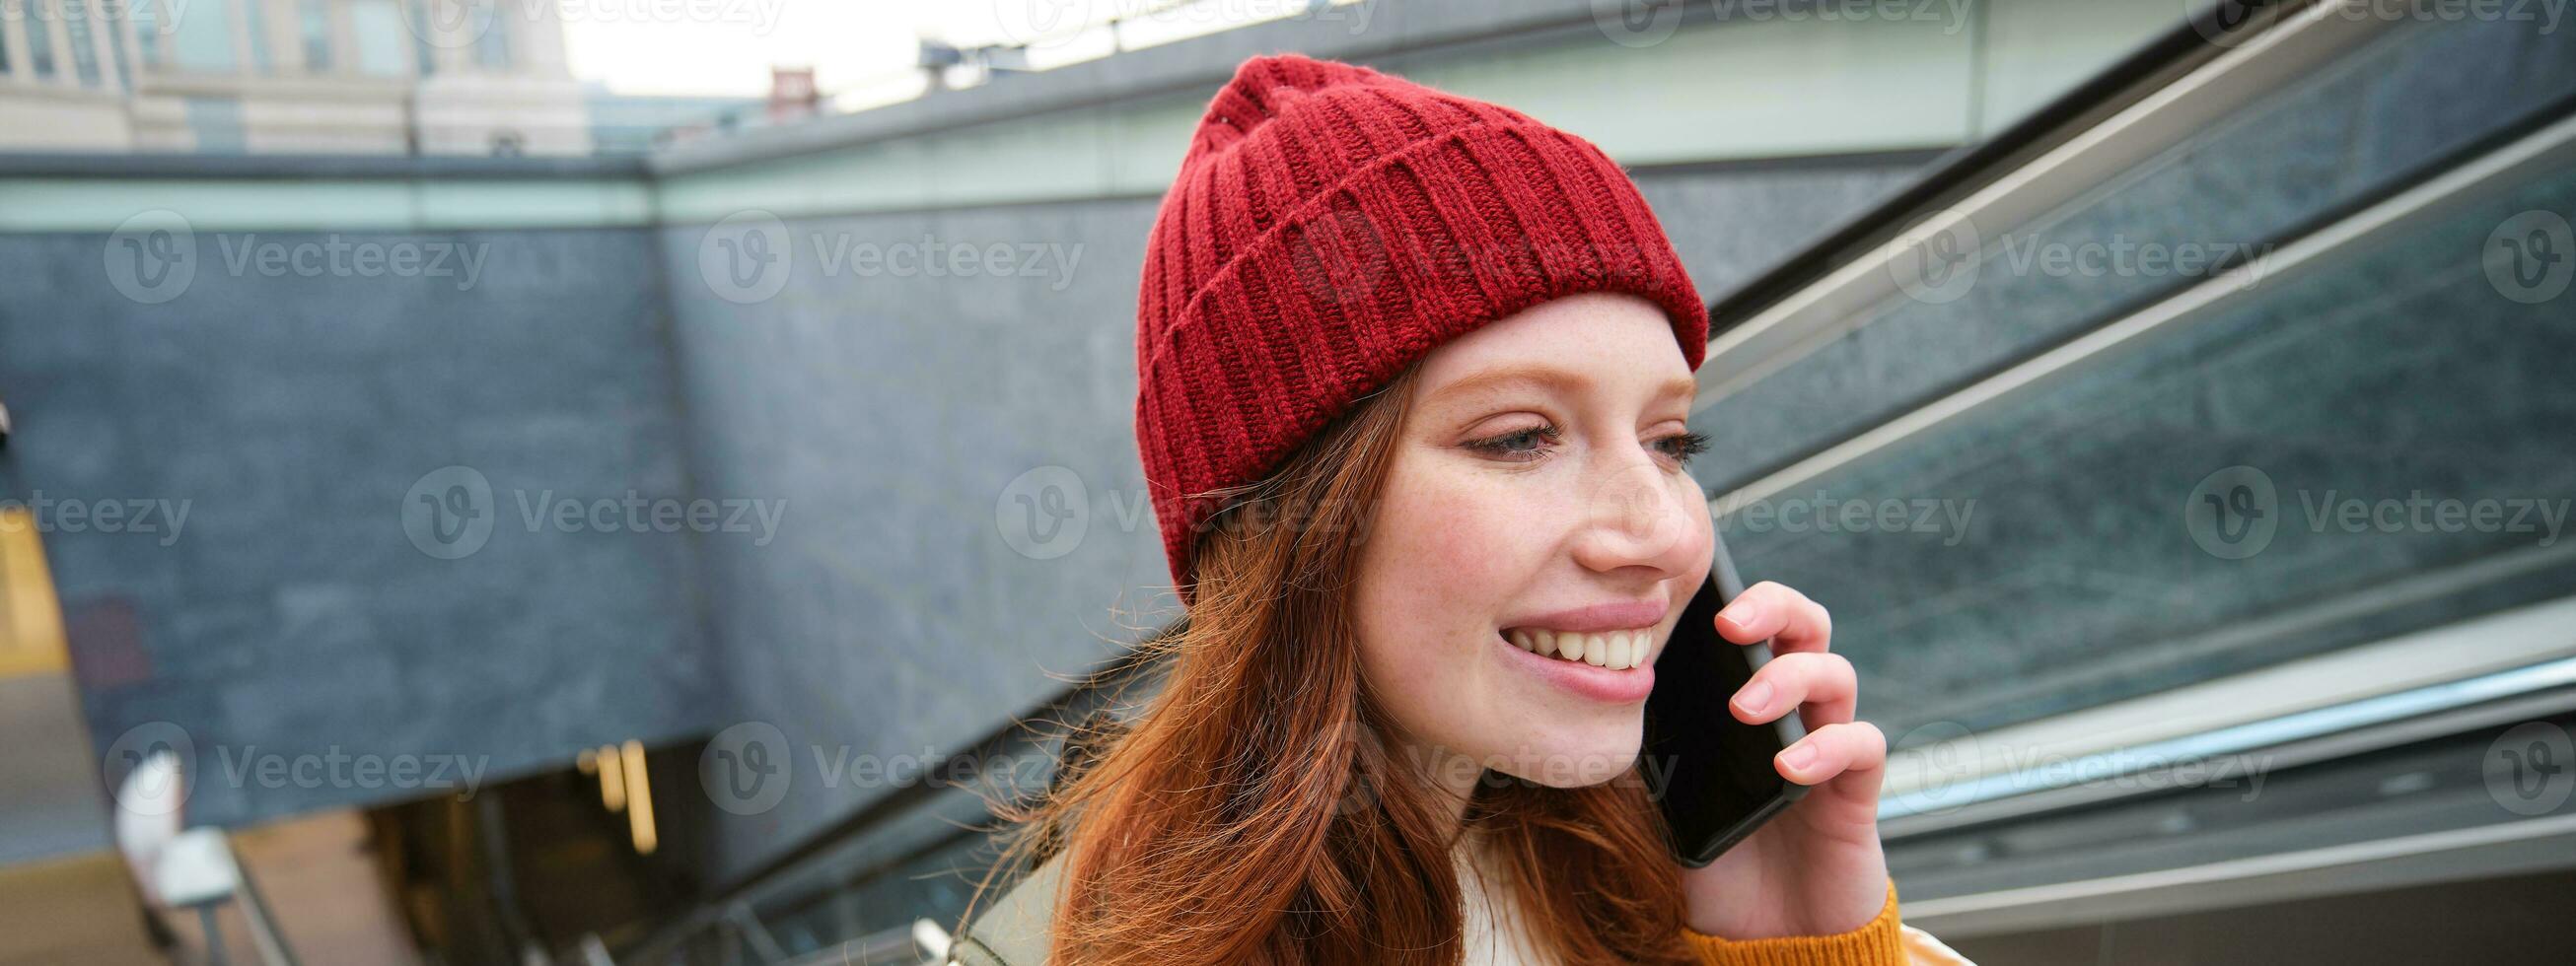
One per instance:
(2378, 712)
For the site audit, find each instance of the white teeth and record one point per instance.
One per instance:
(1616, 650)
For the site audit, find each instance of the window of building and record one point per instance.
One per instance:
(377, 26)
(313, 25)
(491, 37)
(217, 124)
(40, 44)
(77, 25)
(202, 40)
(149, 27)
(255, 13)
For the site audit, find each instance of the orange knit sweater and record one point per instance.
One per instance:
(1883, 941)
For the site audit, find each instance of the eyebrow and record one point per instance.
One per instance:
(1549, 377)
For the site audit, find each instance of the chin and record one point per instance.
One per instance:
(1574, 758)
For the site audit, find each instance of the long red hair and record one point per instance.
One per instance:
(1249, 811)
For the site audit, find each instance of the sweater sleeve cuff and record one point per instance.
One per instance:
(1878, 942)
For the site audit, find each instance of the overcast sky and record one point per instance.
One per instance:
(861, 48)
(655, 47)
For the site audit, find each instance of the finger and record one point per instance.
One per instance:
(1822, 686)
(1787, 617)
(1853, 751)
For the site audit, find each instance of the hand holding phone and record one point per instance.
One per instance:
(1711, 774)
(1721, 781)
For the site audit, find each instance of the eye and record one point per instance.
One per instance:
(1519, 446)
(1683, 446)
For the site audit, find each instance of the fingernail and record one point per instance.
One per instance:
(1798, 757)
(1741, 617)
(1755, 697)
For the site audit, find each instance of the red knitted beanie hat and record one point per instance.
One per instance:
(1332, 224)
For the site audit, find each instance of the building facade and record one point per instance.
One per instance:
(445, 77)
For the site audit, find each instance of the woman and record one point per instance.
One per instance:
(1413, 375)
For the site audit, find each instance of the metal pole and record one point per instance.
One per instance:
(215, 953)
(263, 931)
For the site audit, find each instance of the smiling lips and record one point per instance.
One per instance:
(1617, 650)
(1617, 636)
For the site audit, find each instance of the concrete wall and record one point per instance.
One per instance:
(297, 420)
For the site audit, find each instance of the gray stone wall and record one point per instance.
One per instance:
(289, 620)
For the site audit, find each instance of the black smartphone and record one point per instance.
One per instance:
(1709, 773)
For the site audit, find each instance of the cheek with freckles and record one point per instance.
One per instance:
(1456, 555)
(1446, 562)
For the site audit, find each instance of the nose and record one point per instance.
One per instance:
(1634, 513)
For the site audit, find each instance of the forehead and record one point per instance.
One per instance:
(1506, 378)
(1590, 341)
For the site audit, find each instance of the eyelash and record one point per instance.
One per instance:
(1691, 444)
